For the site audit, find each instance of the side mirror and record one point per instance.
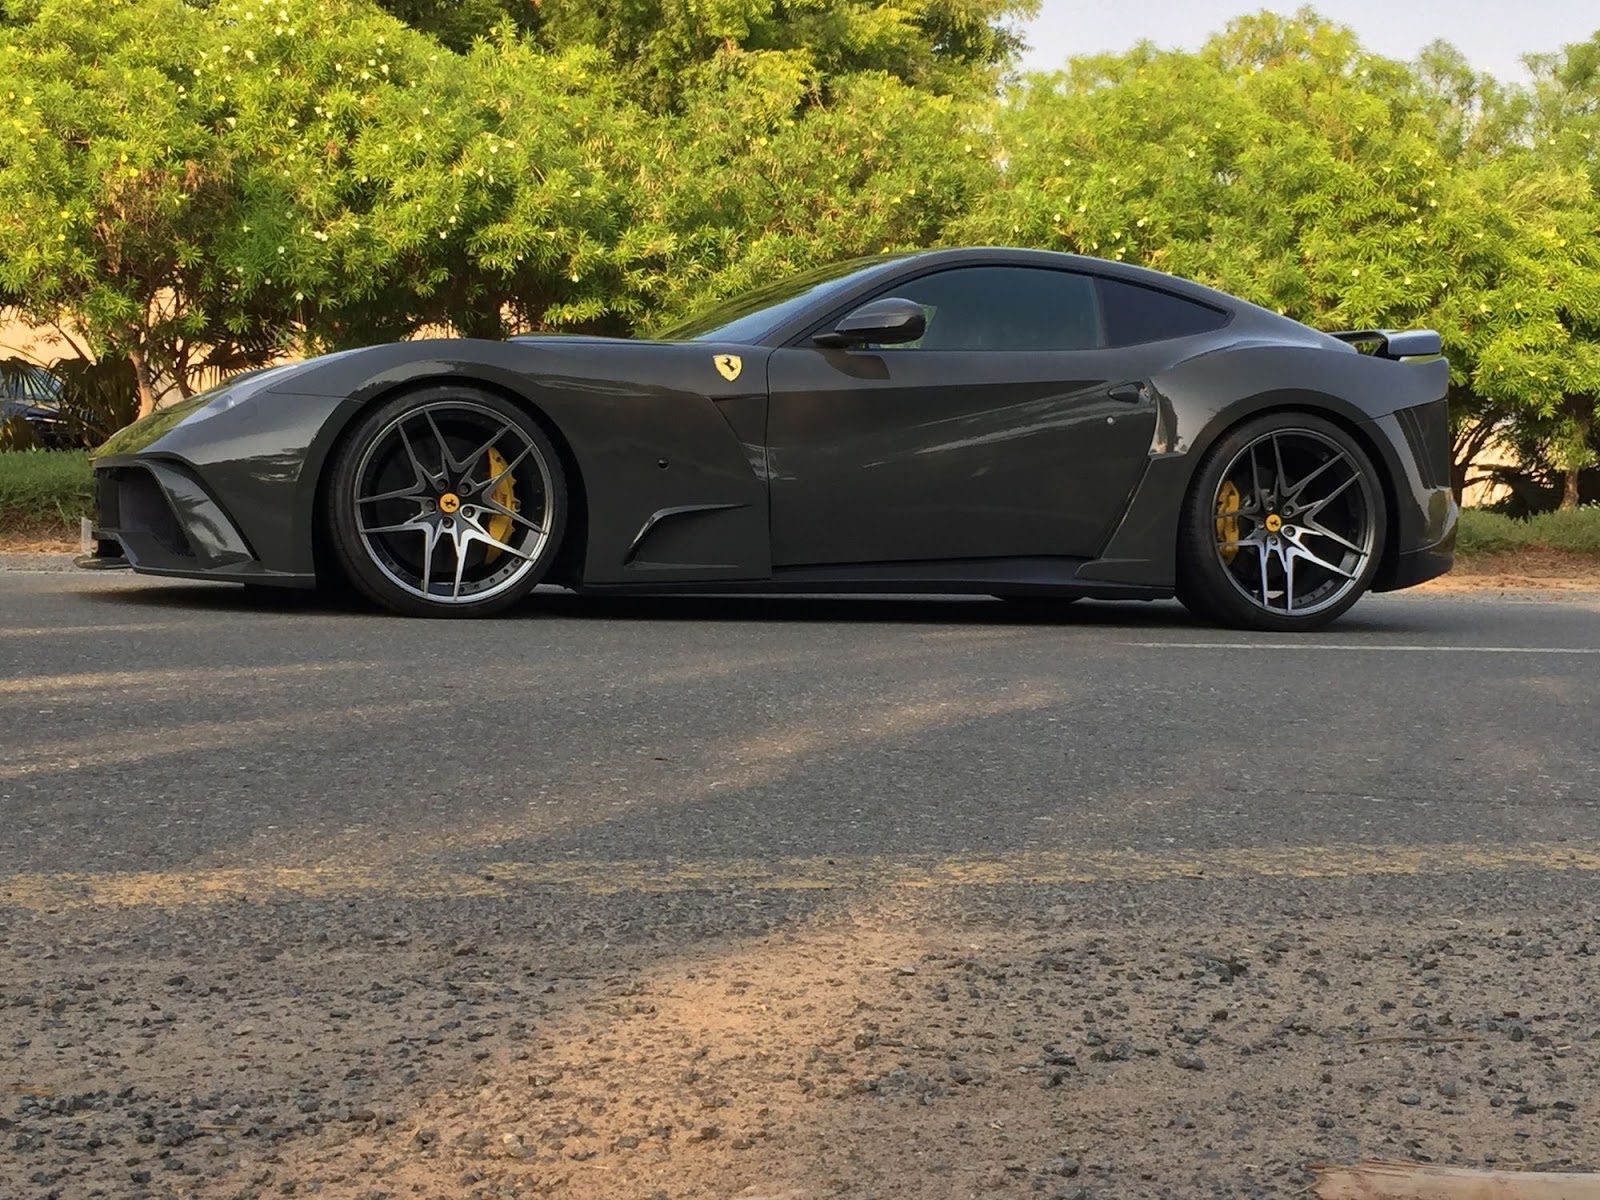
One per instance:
(884, 322)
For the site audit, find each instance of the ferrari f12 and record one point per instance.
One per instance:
(1004, 422)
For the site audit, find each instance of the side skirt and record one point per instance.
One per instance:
(982, 576)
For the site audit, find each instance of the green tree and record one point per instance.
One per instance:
(666, 47)
(109, 186)
(1275, 165)
(1565, 123)
(201, 188)
(460, 23)
(775, 182)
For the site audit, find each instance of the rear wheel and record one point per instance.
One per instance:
(1283, 527)
(448, 503)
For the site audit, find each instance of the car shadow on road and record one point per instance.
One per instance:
(915, 610)
(558, 603)
(837, 609)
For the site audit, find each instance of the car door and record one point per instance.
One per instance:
(1009, 430)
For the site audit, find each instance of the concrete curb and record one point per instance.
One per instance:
(43, 560)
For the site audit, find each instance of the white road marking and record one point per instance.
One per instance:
(1387, 648)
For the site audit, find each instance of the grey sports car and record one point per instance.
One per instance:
(1007, 422)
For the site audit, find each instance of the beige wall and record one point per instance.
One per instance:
(37, 345)
(1481, 495)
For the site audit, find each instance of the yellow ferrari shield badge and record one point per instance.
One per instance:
(728, 365)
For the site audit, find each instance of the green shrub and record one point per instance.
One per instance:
(1576, 531)
(43, 493)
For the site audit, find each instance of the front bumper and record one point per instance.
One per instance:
(211, 489)
(155, 516)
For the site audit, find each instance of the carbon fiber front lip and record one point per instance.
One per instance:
(202, 542)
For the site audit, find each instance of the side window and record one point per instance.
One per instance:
(1005, 308)
(1135, 314)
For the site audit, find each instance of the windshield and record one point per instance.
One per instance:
(750, 316)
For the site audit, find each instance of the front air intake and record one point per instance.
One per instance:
(138, 506)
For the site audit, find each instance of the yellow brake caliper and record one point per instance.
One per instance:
(1229, 502)
(505, 495)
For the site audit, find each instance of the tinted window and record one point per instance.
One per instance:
(752, 315)
(1135, 314)
(1005, 308)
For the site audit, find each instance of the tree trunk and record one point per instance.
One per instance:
(180, 371)
(141, 372)
(1583, 422)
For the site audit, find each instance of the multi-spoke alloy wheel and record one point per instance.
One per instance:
(447, 503)
(1284, 526)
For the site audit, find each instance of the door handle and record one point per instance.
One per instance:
(1127, 393)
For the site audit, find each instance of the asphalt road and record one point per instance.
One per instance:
(290, 809)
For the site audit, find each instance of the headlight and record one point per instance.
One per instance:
(199, 407)
(242, 387)
(237, 390)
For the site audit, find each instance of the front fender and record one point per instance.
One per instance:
(670, 452)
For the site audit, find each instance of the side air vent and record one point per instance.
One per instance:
(1427, 430)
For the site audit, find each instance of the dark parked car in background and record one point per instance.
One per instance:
(32, 395)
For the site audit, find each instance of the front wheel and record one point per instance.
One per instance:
(447, 503)
(1283, 527)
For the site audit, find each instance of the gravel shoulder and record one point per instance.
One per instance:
(1064, 1042)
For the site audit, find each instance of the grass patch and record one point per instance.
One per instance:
(43, 493)
(1574, 532)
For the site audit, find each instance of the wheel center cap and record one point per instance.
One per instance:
(449, 502)
(1274, 521)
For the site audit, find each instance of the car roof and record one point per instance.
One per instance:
(1249, 319)
(1060, 261)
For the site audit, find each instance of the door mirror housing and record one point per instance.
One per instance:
(886, 322)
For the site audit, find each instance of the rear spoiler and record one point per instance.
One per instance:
(1394, 343)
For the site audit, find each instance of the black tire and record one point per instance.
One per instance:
(383, 562)
(1331, 567)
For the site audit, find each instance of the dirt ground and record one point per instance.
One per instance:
(904, 1046)
(37, 544)
(1528, 570)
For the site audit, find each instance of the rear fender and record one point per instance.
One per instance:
(1200, 400)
